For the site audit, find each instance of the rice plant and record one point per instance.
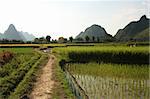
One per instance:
(111, 54)
(109, 72)
(112, 80)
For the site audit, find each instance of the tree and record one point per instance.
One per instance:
(71, 39)
(36, 40)
(87, 38)
(93, 38)
(80, 39)
(42, 40)
(98, 39)
(65, 40)
(48, 38)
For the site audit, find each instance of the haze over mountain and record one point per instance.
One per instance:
(136, 30)
(95, 31)
(28, 37)
(12, 34)
(1, 36)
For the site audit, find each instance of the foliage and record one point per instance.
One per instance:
(5, 57)
(93, 38)
(5, 41)
(110, 70)
(25, 86)
(87, 38)
(17, 75)
(71, 39)
(9, 83)
(48, 38)
(114, 54)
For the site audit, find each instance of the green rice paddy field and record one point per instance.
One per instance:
(109, 72)
(103, 72)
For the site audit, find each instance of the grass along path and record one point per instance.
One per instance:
(44, 85)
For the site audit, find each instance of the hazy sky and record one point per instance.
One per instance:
(69, 17)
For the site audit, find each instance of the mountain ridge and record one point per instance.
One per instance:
(12, 34)
(96, 31)
(132, 29)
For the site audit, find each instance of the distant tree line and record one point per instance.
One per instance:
(94, 39)
(5, 41)
(40, 40)
(48, 39)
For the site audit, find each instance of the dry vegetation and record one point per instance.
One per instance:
(5, 57)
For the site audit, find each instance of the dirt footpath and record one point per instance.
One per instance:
(43, 86)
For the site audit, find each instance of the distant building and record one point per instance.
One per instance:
(62, 40)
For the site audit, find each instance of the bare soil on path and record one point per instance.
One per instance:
(44, 85)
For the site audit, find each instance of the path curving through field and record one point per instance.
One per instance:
(43, 86)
